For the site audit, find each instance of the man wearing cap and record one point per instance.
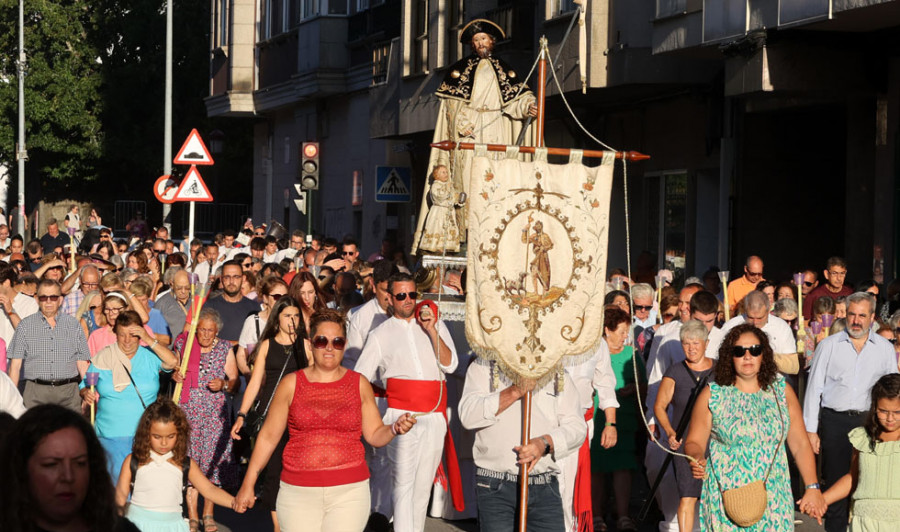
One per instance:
(483, 100)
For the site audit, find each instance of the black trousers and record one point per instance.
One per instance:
(836, 453)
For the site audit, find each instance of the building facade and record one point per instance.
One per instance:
(772, 124)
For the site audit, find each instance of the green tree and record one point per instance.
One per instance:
(62, 97)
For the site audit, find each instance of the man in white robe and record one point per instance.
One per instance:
(411, 351)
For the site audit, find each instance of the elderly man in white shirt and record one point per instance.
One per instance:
(412, 351)
(363, 320)
(557, 429)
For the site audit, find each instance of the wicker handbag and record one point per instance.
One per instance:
(747, 504)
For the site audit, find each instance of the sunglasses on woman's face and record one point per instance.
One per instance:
(739, 350)
(321, 342)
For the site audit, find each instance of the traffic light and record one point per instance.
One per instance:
(309, 165)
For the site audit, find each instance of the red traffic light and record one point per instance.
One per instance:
(310, 150)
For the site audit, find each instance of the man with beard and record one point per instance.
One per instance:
(232, 306)
(483, 100)
(844, 369)
(411, 350)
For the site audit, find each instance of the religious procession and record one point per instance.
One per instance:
(496, 363)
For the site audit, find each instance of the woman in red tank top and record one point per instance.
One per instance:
(326, 408)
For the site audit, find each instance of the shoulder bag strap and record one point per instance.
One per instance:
(138, 392)
(780, 438)
(287, 358)
(257, 324)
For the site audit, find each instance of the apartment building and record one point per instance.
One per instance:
(772, 124)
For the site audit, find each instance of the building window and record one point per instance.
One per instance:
(221, 35)
(674, 222)
(362, 5)
(455, 22)
(310, 8)
(668, 8)
(419, 59)
(381, 55)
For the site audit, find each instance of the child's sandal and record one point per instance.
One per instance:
(209, 524)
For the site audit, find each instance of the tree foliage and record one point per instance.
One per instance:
(63, 100)
(95, 93)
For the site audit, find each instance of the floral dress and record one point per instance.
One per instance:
(747, 431)
(210, 419)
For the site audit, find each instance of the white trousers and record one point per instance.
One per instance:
(415, 457)
(342, 508)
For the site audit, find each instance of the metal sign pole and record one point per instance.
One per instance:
(191, 223)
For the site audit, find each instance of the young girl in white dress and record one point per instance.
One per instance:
(160, 451)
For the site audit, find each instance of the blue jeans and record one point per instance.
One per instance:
(498, 502)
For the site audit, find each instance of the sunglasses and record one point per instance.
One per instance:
(43, 299)
(321, 342)
(738, 351)
(643, 307)
(93, 307)
(345, 253)
(808, 283)
(402, 295)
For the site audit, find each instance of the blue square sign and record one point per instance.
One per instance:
(393, 184)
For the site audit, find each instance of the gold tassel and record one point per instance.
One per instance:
(495, 377)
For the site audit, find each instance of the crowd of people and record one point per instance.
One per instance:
(313, 383)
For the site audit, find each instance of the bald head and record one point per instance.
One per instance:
(753, 269)
(181, 286)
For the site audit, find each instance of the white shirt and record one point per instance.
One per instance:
(249, 333)
(779, 332)
(402, 349)
(10, 400)
(157, 486)
(24, 305)
(560, 416)
(595, 373)
(363, 320)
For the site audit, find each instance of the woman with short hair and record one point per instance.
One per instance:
(679, 387)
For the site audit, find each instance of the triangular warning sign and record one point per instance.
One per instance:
(393, 184)
(193, 151)
(193, 188)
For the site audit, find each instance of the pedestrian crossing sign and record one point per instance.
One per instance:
(393, 184)
(193, 188)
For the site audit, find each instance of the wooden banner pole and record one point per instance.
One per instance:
(448, 145)
(526, 400)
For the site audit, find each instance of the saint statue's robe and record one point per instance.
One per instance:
(482, 101)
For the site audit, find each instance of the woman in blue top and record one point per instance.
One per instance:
(128, 381)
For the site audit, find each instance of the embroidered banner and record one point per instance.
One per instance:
(537, 249)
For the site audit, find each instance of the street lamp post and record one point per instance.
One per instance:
(21, 151)
(167, 134)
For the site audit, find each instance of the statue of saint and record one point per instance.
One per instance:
(483, 100)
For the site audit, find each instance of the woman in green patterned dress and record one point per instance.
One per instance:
(745, 416)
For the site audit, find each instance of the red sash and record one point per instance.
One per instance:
(582, 506)
(421, 396)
